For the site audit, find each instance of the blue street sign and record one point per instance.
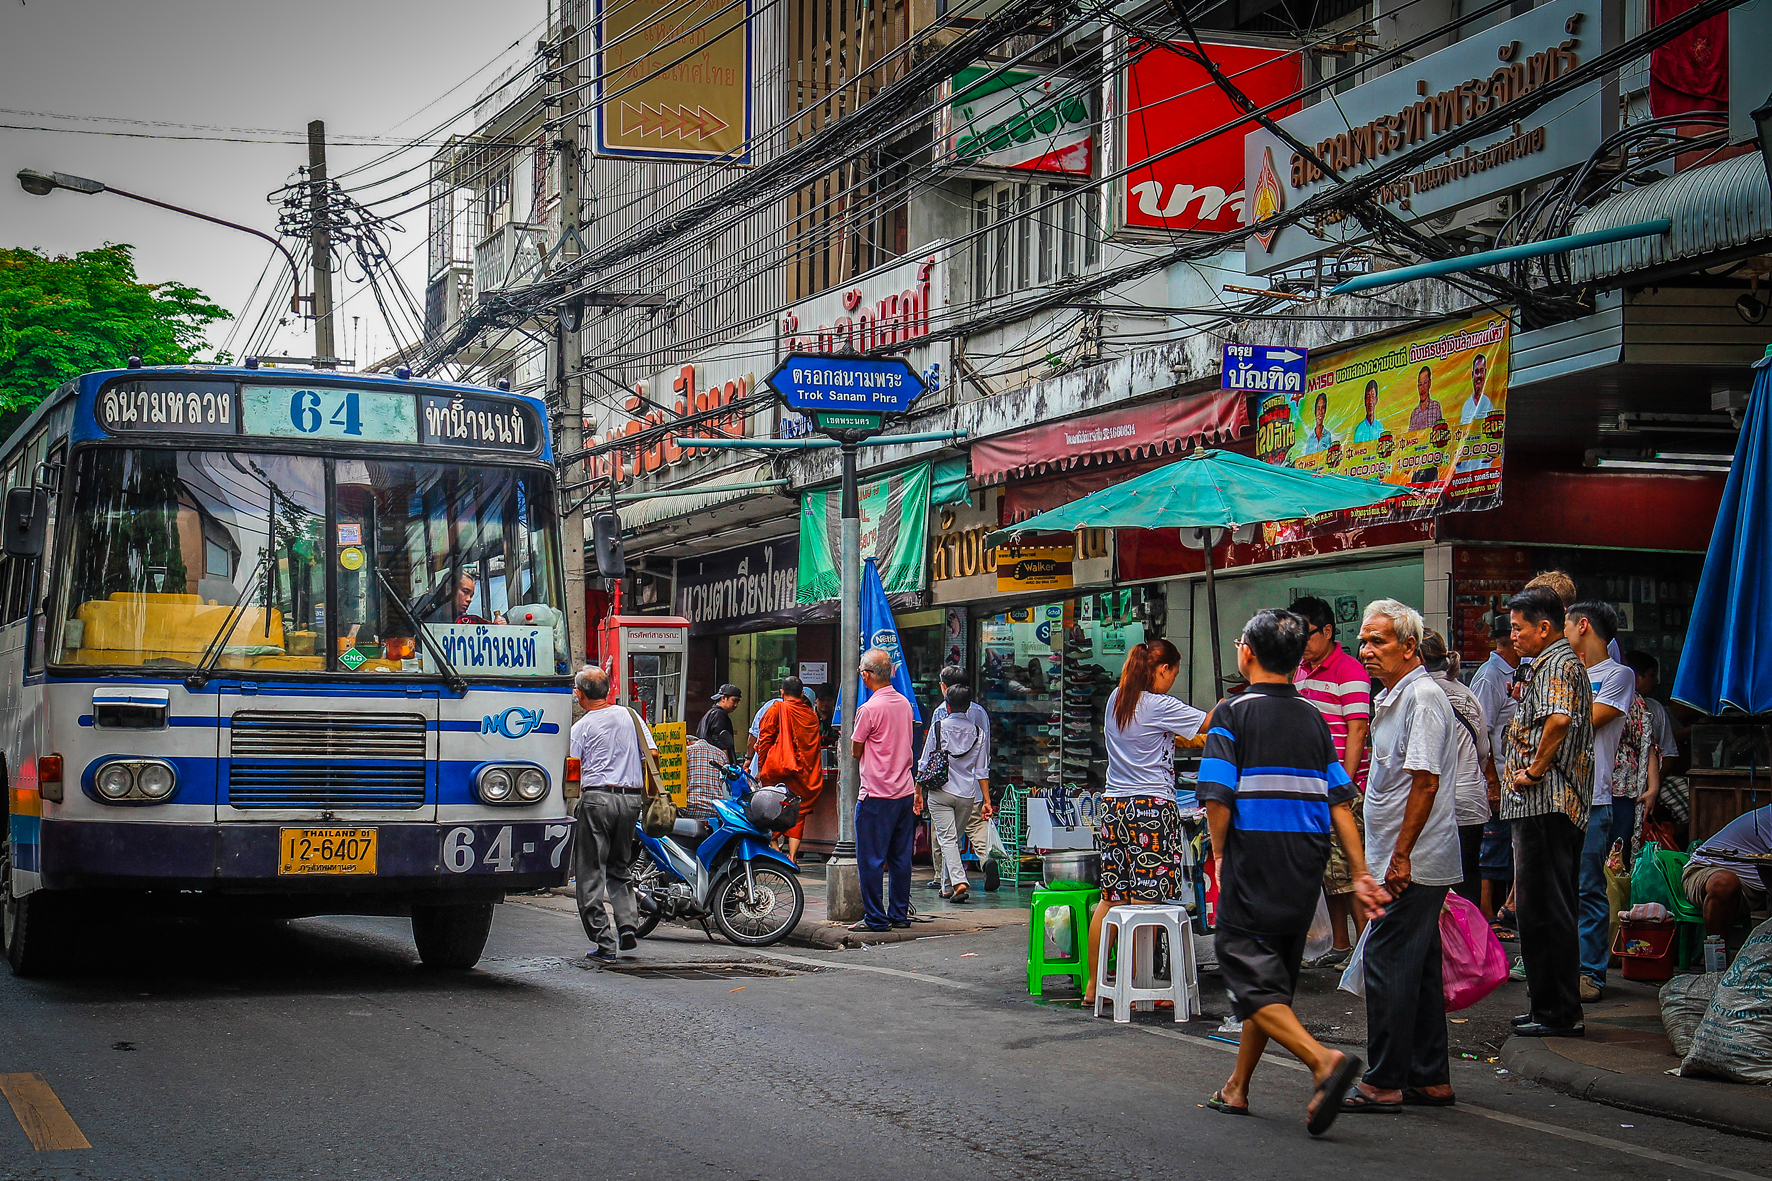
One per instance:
(820, 381)
(1265, 368)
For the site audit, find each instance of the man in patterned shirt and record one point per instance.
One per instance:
(1336, 683)
(1547, 790)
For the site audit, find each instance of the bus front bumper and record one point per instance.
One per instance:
(474, 857)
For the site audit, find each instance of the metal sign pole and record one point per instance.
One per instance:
(842, 872)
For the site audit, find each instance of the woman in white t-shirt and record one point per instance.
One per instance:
(1139, 826)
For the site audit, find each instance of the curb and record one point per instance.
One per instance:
(1529, 1058)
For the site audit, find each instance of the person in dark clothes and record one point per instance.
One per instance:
(716, 724)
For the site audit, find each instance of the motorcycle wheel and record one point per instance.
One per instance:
(776, 912)
(643, 874)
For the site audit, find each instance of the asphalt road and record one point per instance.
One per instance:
(321, 1049)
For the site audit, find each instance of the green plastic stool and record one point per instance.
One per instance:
(1081, 903)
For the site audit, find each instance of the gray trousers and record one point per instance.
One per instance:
(603, 848)
(951, 815)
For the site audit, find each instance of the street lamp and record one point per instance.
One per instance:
(41, 184)
(1763, 125)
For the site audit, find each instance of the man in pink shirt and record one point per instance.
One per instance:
(885, 818)
(1338, 685)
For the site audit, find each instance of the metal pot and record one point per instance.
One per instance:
(1074, 865)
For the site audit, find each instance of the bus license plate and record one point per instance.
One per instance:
(327, 850)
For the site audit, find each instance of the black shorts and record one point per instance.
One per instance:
(1259, 970)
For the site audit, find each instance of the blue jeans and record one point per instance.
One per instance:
(1594, 908)
(884, 833)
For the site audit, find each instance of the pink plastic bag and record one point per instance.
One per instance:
(1473, 963)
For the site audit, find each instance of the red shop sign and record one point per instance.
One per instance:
(1132, 432)
(1168, 100)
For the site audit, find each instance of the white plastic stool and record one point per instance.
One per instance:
(1133, 982)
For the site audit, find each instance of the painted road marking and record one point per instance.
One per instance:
(46, 1122)
(1666, 1158)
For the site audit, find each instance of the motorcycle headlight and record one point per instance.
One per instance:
(495, 785)
(532, 785)
(115, 781)
(154, 780)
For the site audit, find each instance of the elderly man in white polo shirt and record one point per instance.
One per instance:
(1412, 841)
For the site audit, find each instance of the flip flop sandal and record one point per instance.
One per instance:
(1359, 1101)
(1413, 1097)
(1217, 1103)
(1330, 1092)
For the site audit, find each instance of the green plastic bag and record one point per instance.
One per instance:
(1647, 882)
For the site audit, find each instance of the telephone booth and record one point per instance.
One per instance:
(644, 656)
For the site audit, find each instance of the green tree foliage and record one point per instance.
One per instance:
(60, 317)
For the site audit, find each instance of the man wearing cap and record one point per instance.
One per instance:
(716, 724)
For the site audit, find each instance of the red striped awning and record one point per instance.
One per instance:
(1152, 429)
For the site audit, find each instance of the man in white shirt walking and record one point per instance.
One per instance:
(612, 778)
(1412, 839)
(1591, 627)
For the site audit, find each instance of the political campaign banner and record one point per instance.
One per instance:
(1425, 411)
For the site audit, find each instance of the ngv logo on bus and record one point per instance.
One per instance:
(515, 722)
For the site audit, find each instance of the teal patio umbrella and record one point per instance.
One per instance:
(1206, 490)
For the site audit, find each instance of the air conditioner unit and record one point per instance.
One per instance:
(1485, 217)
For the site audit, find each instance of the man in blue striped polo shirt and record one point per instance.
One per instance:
(1274, 789)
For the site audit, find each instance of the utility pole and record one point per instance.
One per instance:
(320, 245)
(843, 872)
(570, 350)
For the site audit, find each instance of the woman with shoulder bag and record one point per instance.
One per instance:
(959, 800)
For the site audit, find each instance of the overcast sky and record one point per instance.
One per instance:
(366, 67)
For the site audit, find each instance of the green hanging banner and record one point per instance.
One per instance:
(894, 532)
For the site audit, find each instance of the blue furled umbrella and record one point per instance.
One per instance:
(1727, 661)
(879, 630)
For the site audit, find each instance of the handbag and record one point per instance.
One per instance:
(933, 774)
(658, 812)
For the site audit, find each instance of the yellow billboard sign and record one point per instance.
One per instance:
(673, 79)
(1045, 567)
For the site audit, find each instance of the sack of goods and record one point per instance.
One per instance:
(773, 808)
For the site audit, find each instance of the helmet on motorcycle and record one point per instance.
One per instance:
(773, 808)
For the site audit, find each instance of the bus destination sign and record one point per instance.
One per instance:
(334, 413)
(169, 407)
(479, 422)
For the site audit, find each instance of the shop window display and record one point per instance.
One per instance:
(1045, 673)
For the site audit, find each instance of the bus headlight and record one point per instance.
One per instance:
(495, 785)
(532, 785)
(115, 781)
(134, 781)
(154, 780)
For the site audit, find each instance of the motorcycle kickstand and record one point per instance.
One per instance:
(708, 931)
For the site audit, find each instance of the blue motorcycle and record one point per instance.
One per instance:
(724, 868)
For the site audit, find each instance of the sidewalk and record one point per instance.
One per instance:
(1623, 1061)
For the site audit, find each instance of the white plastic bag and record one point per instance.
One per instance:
(1322, 934)
(994, 839)
(1061, 938)
(1354, 979)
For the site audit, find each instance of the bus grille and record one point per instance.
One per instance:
(318, 760)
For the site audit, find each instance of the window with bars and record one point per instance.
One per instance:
(1024, 242)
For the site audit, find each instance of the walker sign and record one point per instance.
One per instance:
(822, 381)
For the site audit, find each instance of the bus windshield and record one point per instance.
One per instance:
(273, 562)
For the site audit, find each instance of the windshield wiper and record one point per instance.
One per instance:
(450, 677)
(213, 650)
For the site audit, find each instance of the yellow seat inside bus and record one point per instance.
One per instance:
(130, 628)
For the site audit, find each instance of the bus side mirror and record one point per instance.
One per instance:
(606, 544)
(27, 519)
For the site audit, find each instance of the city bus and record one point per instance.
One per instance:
(279, 642)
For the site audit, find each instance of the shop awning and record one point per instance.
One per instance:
(638, 515)
(1719, 210)
(1168, 427)
(948, 482)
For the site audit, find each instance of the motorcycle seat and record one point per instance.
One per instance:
(691, 828)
